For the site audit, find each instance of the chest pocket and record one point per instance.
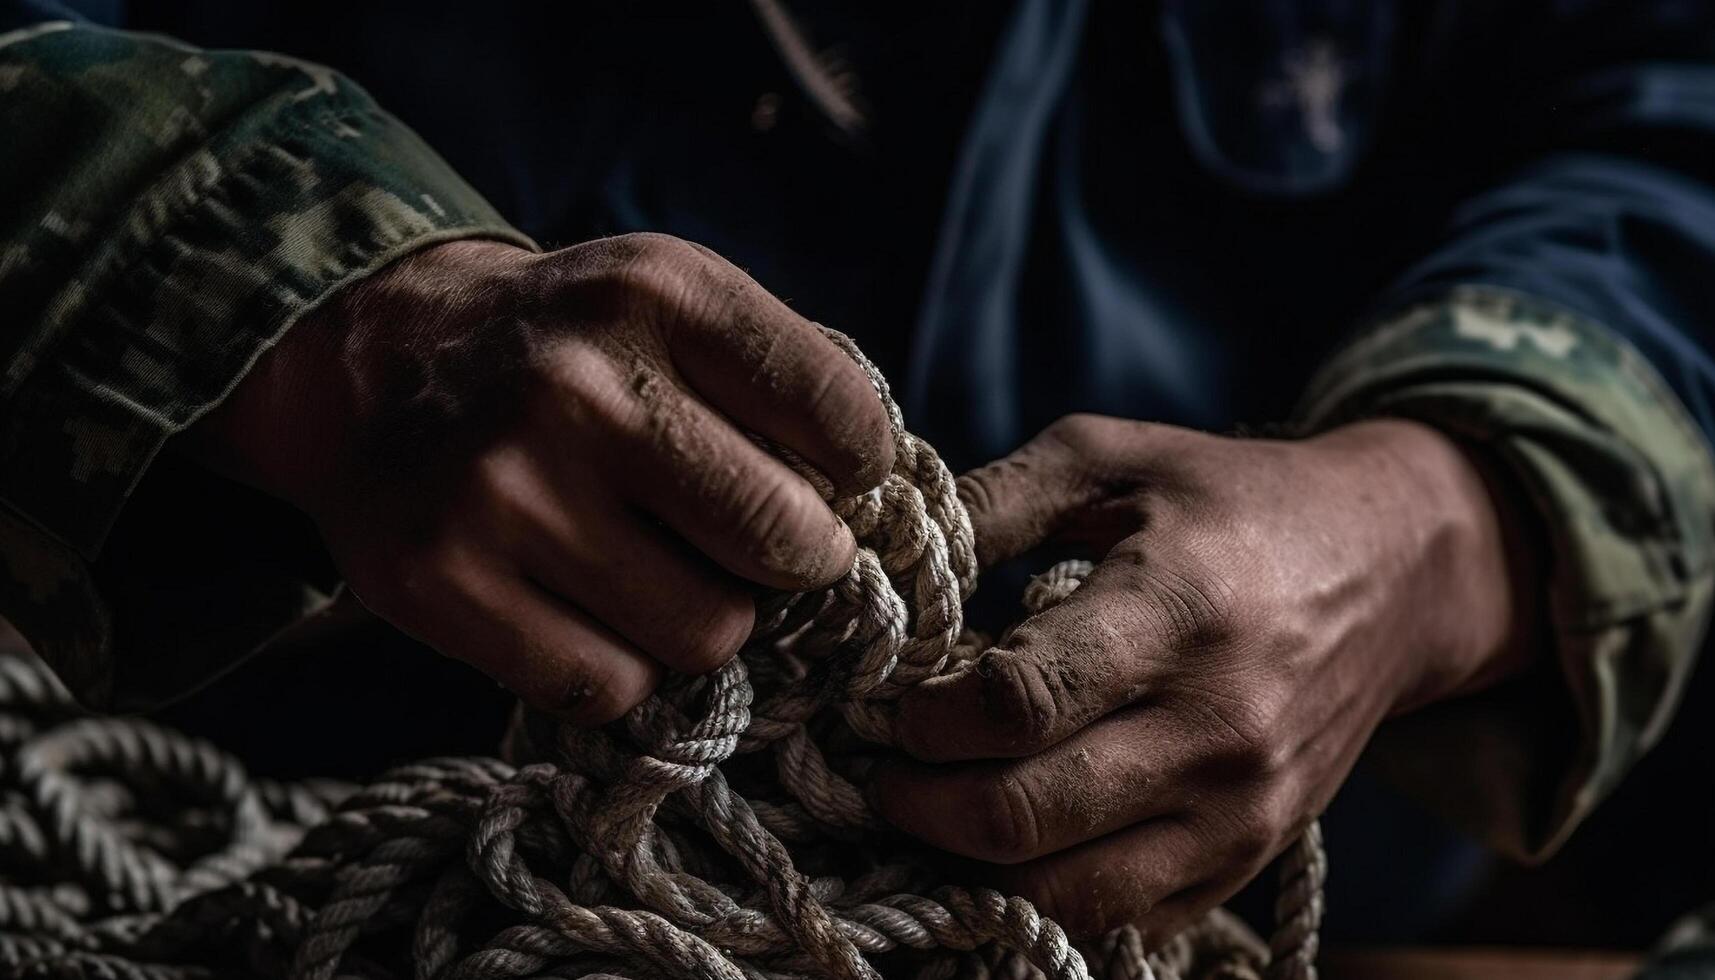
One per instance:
(1279, 98)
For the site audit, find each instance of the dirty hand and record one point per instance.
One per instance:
(538, 463)
(1139, 751)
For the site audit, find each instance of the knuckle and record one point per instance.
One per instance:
(1021, 703)
(845, 403)
(1089, 908)
(661, 270)
(656, 248)
(1007, 829)
(1244, 728)
(1243, 836)
(652, 411)
(977, 488)
(1053, 896)
(715, 637)
(577, 389)
(411, 590)
(624, 279)
(1082, 452)
(595, 710)
(1086, 434)
(583, 693)
(1195, 608)
(1074, 428)
(585, 277)
(630, 406)
(776, 524)
(497, 479)
(1253, 756)
(576, 708)
(1247, 838)
(1242, 826)
(1089, 918)
(1267, 754)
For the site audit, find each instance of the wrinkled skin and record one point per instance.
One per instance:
(537, 464)
(1141, 750)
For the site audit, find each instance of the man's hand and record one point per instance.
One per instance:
(1139, 751)
(538, 464)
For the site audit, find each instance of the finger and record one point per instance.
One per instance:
(1017, 502)
(554, 656)
(1097, 650)
(1026, 498)
(1151, 875)
(776, 374)
(1116, 773)
(727, 497)
(1074, 483)
(633, 577)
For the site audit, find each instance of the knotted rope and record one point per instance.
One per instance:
(717, 832)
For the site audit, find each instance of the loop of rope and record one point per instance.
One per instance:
(718, 832)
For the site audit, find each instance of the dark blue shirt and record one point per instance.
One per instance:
(1159, 210)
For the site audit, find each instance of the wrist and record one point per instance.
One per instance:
(273, 430)
(1466, 598)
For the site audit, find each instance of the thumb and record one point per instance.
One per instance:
(1026, 498)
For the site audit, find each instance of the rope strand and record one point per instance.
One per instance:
(716, 833)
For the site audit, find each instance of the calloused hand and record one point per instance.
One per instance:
(539, 463)
(1139, 751)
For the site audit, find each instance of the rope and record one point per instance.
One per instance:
(717, 832)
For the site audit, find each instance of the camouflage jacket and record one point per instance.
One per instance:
(167, 212)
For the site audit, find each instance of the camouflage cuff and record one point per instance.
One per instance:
(169, 213)
(1625, 485)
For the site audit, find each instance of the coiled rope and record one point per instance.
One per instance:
(717, 832)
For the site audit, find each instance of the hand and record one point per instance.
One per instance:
(1141, 750)
(538, 463)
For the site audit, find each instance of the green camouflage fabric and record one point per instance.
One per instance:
(166, 213)
(1625, 486)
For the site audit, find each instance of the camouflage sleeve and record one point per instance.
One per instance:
(1625, 486)
(166, 213)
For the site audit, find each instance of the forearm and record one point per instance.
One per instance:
(1620, 483)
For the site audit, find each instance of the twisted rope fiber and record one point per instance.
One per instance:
(717, 832)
